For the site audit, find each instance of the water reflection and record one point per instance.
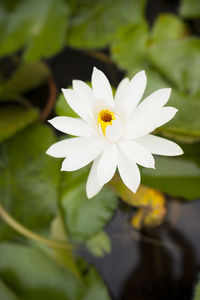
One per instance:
(155, 277)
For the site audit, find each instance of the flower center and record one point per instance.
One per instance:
(105, 118)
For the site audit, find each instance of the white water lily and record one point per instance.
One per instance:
(113, 132)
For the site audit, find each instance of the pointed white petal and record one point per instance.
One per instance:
(121, 89)
(107, 164)
(62, 148)
(140, 125)
(114, 131)
(84, 93)
(78, 103)
(129, 172)
(154, 101)
(137, 153)
(73, 126)
(101, 86)
(83, 155)
(85, 89)
(132, 95)
(93, 185)
(160, 146)
(166, 114)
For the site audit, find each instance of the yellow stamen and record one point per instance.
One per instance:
(105, 118)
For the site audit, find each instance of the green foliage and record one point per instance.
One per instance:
(40, 26)
(178, 61)
(63, 257)
(95, 23)
(33, 275)
(190, 8)
(99, 244)
(78, 209)
(95, 288)
(28, 178)
(27, 77)
(176, 176)
(168, 27)
(6, 292)
(197, 291)
(14, 118)
(186, 124)
(129, 48)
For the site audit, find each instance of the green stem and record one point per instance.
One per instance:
(29, 234)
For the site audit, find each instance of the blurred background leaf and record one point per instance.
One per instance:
(99, 244)
(78, 209)
(33, 275)
(176, 176)
(27, 77)
(29, 23)
(94, 24)
(6, 292)
(28, 178)
(190, 8)
(14, 118)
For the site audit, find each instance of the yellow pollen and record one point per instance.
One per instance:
(105, 118)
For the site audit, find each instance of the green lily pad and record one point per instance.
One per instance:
(28, 179)
(40, 26)
(14, 118)
(27, 77)
(99, 244)
(176, 176)
(84, 217)
(95, 23)
(190, 9)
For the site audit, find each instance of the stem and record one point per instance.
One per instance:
(29, 234)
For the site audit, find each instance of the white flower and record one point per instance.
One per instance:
(113, 132)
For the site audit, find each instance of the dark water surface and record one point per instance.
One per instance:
(154, 264)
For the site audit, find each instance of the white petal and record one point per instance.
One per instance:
(107, 164)
(121, 89)
(79, 104)
(160, 146)
(137, 153)
(83, 155)
(85, 93)
(101, 86)
(85, 89)
(73, 126)
(62, 148)
(132, 94)
(166, 114)
(140, 124)
(114, 131)
(154, 101)
(129, 172)
(93, 185)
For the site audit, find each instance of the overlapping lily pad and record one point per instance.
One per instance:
(28, 178)
(40, 26)
(95, 23)
(85, 217)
